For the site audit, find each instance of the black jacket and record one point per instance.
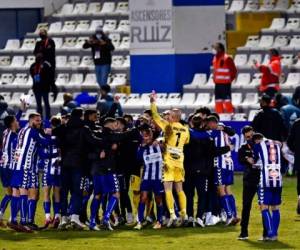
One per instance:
(73, 141)
(251, 175)
(44, 82)
(47, 48)
(270, 123)
(199, 155)
(294, 142)
(104, 50)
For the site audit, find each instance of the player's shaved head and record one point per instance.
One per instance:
(176, 115)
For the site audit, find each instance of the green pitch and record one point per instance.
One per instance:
(218, 237)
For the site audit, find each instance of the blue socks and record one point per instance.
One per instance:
(95, 205)
(232, 205)
(141, 210)
(23, 208)
(56, 208)
(226, 206)
(110, 208)
(47, 207)
(267, 221)
(276, 221)
(160, 211)
(4, 203)
(31, 210)
(14, 207)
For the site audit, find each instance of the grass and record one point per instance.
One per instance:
(217, 237)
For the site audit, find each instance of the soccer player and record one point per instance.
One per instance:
(176, 136)
(51, 179)
(25, 174)
(224, 171)
(268, 155)
(151, 156)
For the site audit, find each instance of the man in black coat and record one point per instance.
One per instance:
(40, 72)
(73, 139)
(250, 178)
(293, 143)
(269, 121)
(198, 164)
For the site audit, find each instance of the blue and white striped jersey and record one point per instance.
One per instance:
(221, 140)
(26, 151)
(268, 155)
(9, 144)
(152, 162)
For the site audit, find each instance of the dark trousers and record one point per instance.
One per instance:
(125, 203)
(71, 184)
(39, 96)
(270, 92)
(249, 192)
(200, 183)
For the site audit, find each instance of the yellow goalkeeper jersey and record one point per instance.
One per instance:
(176, 136)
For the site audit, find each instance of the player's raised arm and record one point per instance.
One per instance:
(162, 123)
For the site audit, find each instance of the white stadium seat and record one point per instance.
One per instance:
(277, 24)
(86, 61)
(295, 7)
(126, 61)
(117, 61)
(267, 5)
(115, 39)
(119, 79)
(82, 26)
(251, 100)
(7, 79)
(61, 61)
(187, 100)
(202, 100)
(12, 44)
(69, 43)
(282, 5)
(287, 59)
(266, 41)
(252, 5)
(28, 44)
(254, 82)
(80, 41)
(17, 62)
(79, 9)
(110, 25)
(281, 41)
(73, 61)
(21, 80)
(292, 24)
(252, 114)
(239, 117)
(66, 10)
(256, 57)
(69, 27)
(29, 61)
(198, 80)
(225, 117)
(76, 80)
(6, 96)
(5, 61)
(90, 80)
(95, 24)
(292, 80)
(295, 42)
(122, 8)
(236, 5)
(94, 8)
(123, 26)
(58, 42)
(108, 8)
(237, 99)
(240, 59)
(243, 79)
(55, 28)
(125, 43)
(40, 26)
(62, 79)
(252, 41)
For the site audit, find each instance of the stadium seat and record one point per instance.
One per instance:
(73, 61)
(254, 82)
(239, 117)
(126, 63)
(242, 80)
(7, 79)
(6, 96)
(225, 117)
(240, 59)
(295, 42)
(281, 41)
(80, 41)
(173, 101)
(61, 61)
(29, 61)
(40, 26)
(295, 7)
(12, 45)
(62, 79)
(66, 10)
(55, 28)
(15, 100)
(266, 42)
(236, 5)
(108, 8)
(69, 43)
(86, 62)
(252, 5)
(122, 8)
(79, 9)
(287, 59)
(277, 24)
(28, 44)
(161, 99)
(59, 100)
(198, 80)
(76, 80)
(95, 24)
(257, 57)
(115, 39)
(5, 61)
(125, 43)
(227, 5)
(69, 27)
(110, 25)
(82, 26)
(119, 79)
(237, 99)
(117, 61)
(21, 80)
(90, 80)
(267, 5)
(252, 42)
(251, 100)
(202, 100)
(292, 24)
(132, 101)
(123, 26)
(94, 8)
(187, 100)
(58, 42)
(292, 80)
(210, 83)
(266, 59)
(17, 62)
(252, 114)
(282, 5)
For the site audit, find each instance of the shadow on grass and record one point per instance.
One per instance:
(268, 245)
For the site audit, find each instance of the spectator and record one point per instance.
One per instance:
(293, 143)
(69, 102)
(269, 122)
(291, 112)
(106, 100)
(40, 72)
(270, 74)
(101, 47)
(224, 72)
(46, 46)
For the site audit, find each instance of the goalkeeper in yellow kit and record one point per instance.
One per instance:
(176, 136)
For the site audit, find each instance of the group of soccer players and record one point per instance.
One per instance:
(149, 153)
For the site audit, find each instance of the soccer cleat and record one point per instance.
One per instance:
(172, 221)
(122, 221)
(107, 226)
(157, 225)
(56, 222)
(213, 220)
(223, 217)
(229, 221)
(25, 229)
(75, 225)
(200, 223)
(243, 237)
(47, 223)
(94, 228)
(129, 219)
(138, 226)
(191, 222)
(274, 238)
(33, 227)
(235, 221)
(14, 226)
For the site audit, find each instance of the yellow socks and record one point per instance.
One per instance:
(135, 200)
(182, 203)
(170, 202)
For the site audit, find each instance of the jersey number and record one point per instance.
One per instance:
(178, 138)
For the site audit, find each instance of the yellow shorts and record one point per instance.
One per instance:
(135, 183)
(173, 174)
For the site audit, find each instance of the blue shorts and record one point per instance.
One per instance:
(86, 184)
(50, 180)
(223, 177)
(269, 196)
(25, 179)
(5, 174)
(154, 186)
(106, 184)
